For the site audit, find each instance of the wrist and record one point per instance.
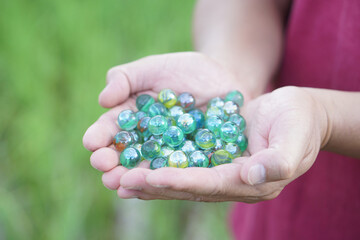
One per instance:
(324, 113)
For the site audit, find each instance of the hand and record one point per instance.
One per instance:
(286, 129)
(192, 72)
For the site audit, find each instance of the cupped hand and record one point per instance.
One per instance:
(286, 129)
(182, 72)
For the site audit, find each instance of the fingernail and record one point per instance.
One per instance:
(256, 174)
(133, 188)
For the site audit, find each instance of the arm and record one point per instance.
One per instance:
(246, 36)
(343, 120)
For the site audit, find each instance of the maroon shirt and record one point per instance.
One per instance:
(323, 51)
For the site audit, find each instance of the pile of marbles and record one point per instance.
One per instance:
(173, 133)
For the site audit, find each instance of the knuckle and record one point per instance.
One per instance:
(287, 169)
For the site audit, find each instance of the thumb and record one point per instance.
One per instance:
(130, 78)
(267, 166)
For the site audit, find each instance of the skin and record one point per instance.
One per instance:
(273, 158)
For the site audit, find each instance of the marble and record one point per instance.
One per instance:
(167, 97)
(144, 101)
(127, 120)
(130, 157)
(178, 159)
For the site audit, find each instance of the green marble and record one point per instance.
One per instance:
(216, 102)
(214, 123)
(167, 97)
(150, 149)
(233, 149)
(144, 101)
(158, 125)
(173, 136)
(166, 151)
(158, 162)
(186, 101)
(239, 121)
(178, 159)
(186, 123)
(122, 140)
(229, 132)
(130, 157)
(158, 109)
(199, 117)
(136, 136)
(242, 142)
(221, 157)
(198, 159)
(188, 147)
(230, 108)
(157, 138)
(140, 115)
(138, 146)
(219, 144)
(236, 97)
(205, 139)
(127, 120)
(143, 127)
(215, 111)
(176, 112)
(171, 121)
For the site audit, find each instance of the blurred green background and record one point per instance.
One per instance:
(53, 59)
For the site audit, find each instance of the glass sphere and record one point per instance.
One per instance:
(166, 151)
(198, 159)
(158, 109)
(219, 144)
(138, 146)
(221, 157)
(150, 149)
(199, 117)
(229, 132)
(214, 123)
(130, 157)
(233, 149)
(187, 123)
(176, 112)
(122, 140)
(186, 101)
(230, 108)
(239, 121)
(188, 147)
(215, 111)
(127, 120)
(173, 136)
(140, 115)
(205, 139)
(144, 101)
(242, 142)
(167, 97)
(158, 162)
(236, 97)
(216, 102)
(158, 125)
(178, 159)
(143, 127)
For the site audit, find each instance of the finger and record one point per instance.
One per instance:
(105, 159)
(102, 132)
(130, 78)
(127, 193)
(221, 181)
(111, 179)
(136, 180)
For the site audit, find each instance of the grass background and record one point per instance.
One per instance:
(53, 59)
